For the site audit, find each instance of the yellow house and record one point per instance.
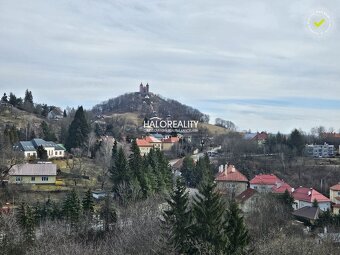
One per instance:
(144, 146)
(33, 174)
(335, 197)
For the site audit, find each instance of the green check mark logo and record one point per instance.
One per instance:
(318, 24)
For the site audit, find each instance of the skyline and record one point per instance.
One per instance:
(255, 64)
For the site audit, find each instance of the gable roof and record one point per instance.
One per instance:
(143, 143)
(309, 195)
(231, 174)
(245, 195)
(33, 169)
(24, 146)
(171, 140)
(151, 139)
(308, 212)
(265, 179)
(336, 187)
(281, 187)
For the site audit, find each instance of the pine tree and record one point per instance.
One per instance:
(12, 99)
(64, 114)
(235, 230)
(209, 210)
(315, 203)
(287, 199)
(120, 170)
(4, 98)
(135, 160)
(88, 205)
(42, 153)
(28, 97)
(178, 219)
(78, 131)
(108, 213)
(72, 209)
(26, 220)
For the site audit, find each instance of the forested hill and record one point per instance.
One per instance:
(149, 105)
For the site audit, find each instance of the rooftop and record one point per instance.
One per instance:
(336, 187)
(265, 179)
(309, 195)
(307, 212)
(245, 195)
(33, 169)
(230, 174)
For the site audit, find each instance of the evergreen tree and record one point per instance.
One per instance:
(42, 153)
(136, 163)
(287, 199)
(209, 211)
(188, 171)
(28, 97)
(315, 203)
(47, 132)
(72, 209)
(78, 131)
(235, 230)
(178, 219)
(108, 213)
(297, 142)
(45, 110)
(4, 98)
(26, 220)
(88, 204)
(12, 99)
(120, 170)
(64, 114)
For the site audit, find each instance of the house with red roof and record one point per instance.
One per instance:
(265, 182)
(156, 143)
(231, 181)
(281, 187)
(306, 196)
(144, 146)
(334, 195)
(167, 143)
(248, 200)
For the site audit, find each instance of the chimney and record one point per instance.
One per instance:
(226, 169)
(233, 169)
(220, 169)
(309, 193)
(293, 190)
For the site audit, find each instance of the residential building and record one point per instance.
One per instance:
(320, 151)
(307, 214)
(334, 195)
(260, 138)
(29, 148)
(269, 183)
(248, 200)
(33, 174)
(230, 181)
(281, 187)
(144, 146)
(55, 114)
(167, 143)
(156, 143)
(306, 196)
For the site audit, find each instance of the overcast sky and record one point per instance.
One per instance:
(252, 62)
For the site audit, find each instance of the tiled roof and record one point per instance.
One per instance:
(261, 136)
(265, 179)
(151, 139)
(307, 212)
(309, 195)
(281, 187)
(33, 169)
(231, 174)
(335, 187)
(171, 140)
(143, 143)
(245, 195)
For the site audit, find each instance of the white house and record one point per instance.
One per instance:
(306, 196)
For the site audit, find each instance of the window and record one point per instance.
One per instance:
(28, 154)
(18, 178)
(44, 178)
(33, 178)
(60, 153)
(55, 153)
(338, 193)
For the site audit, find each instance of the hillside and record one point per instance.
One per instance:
(149, 105)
